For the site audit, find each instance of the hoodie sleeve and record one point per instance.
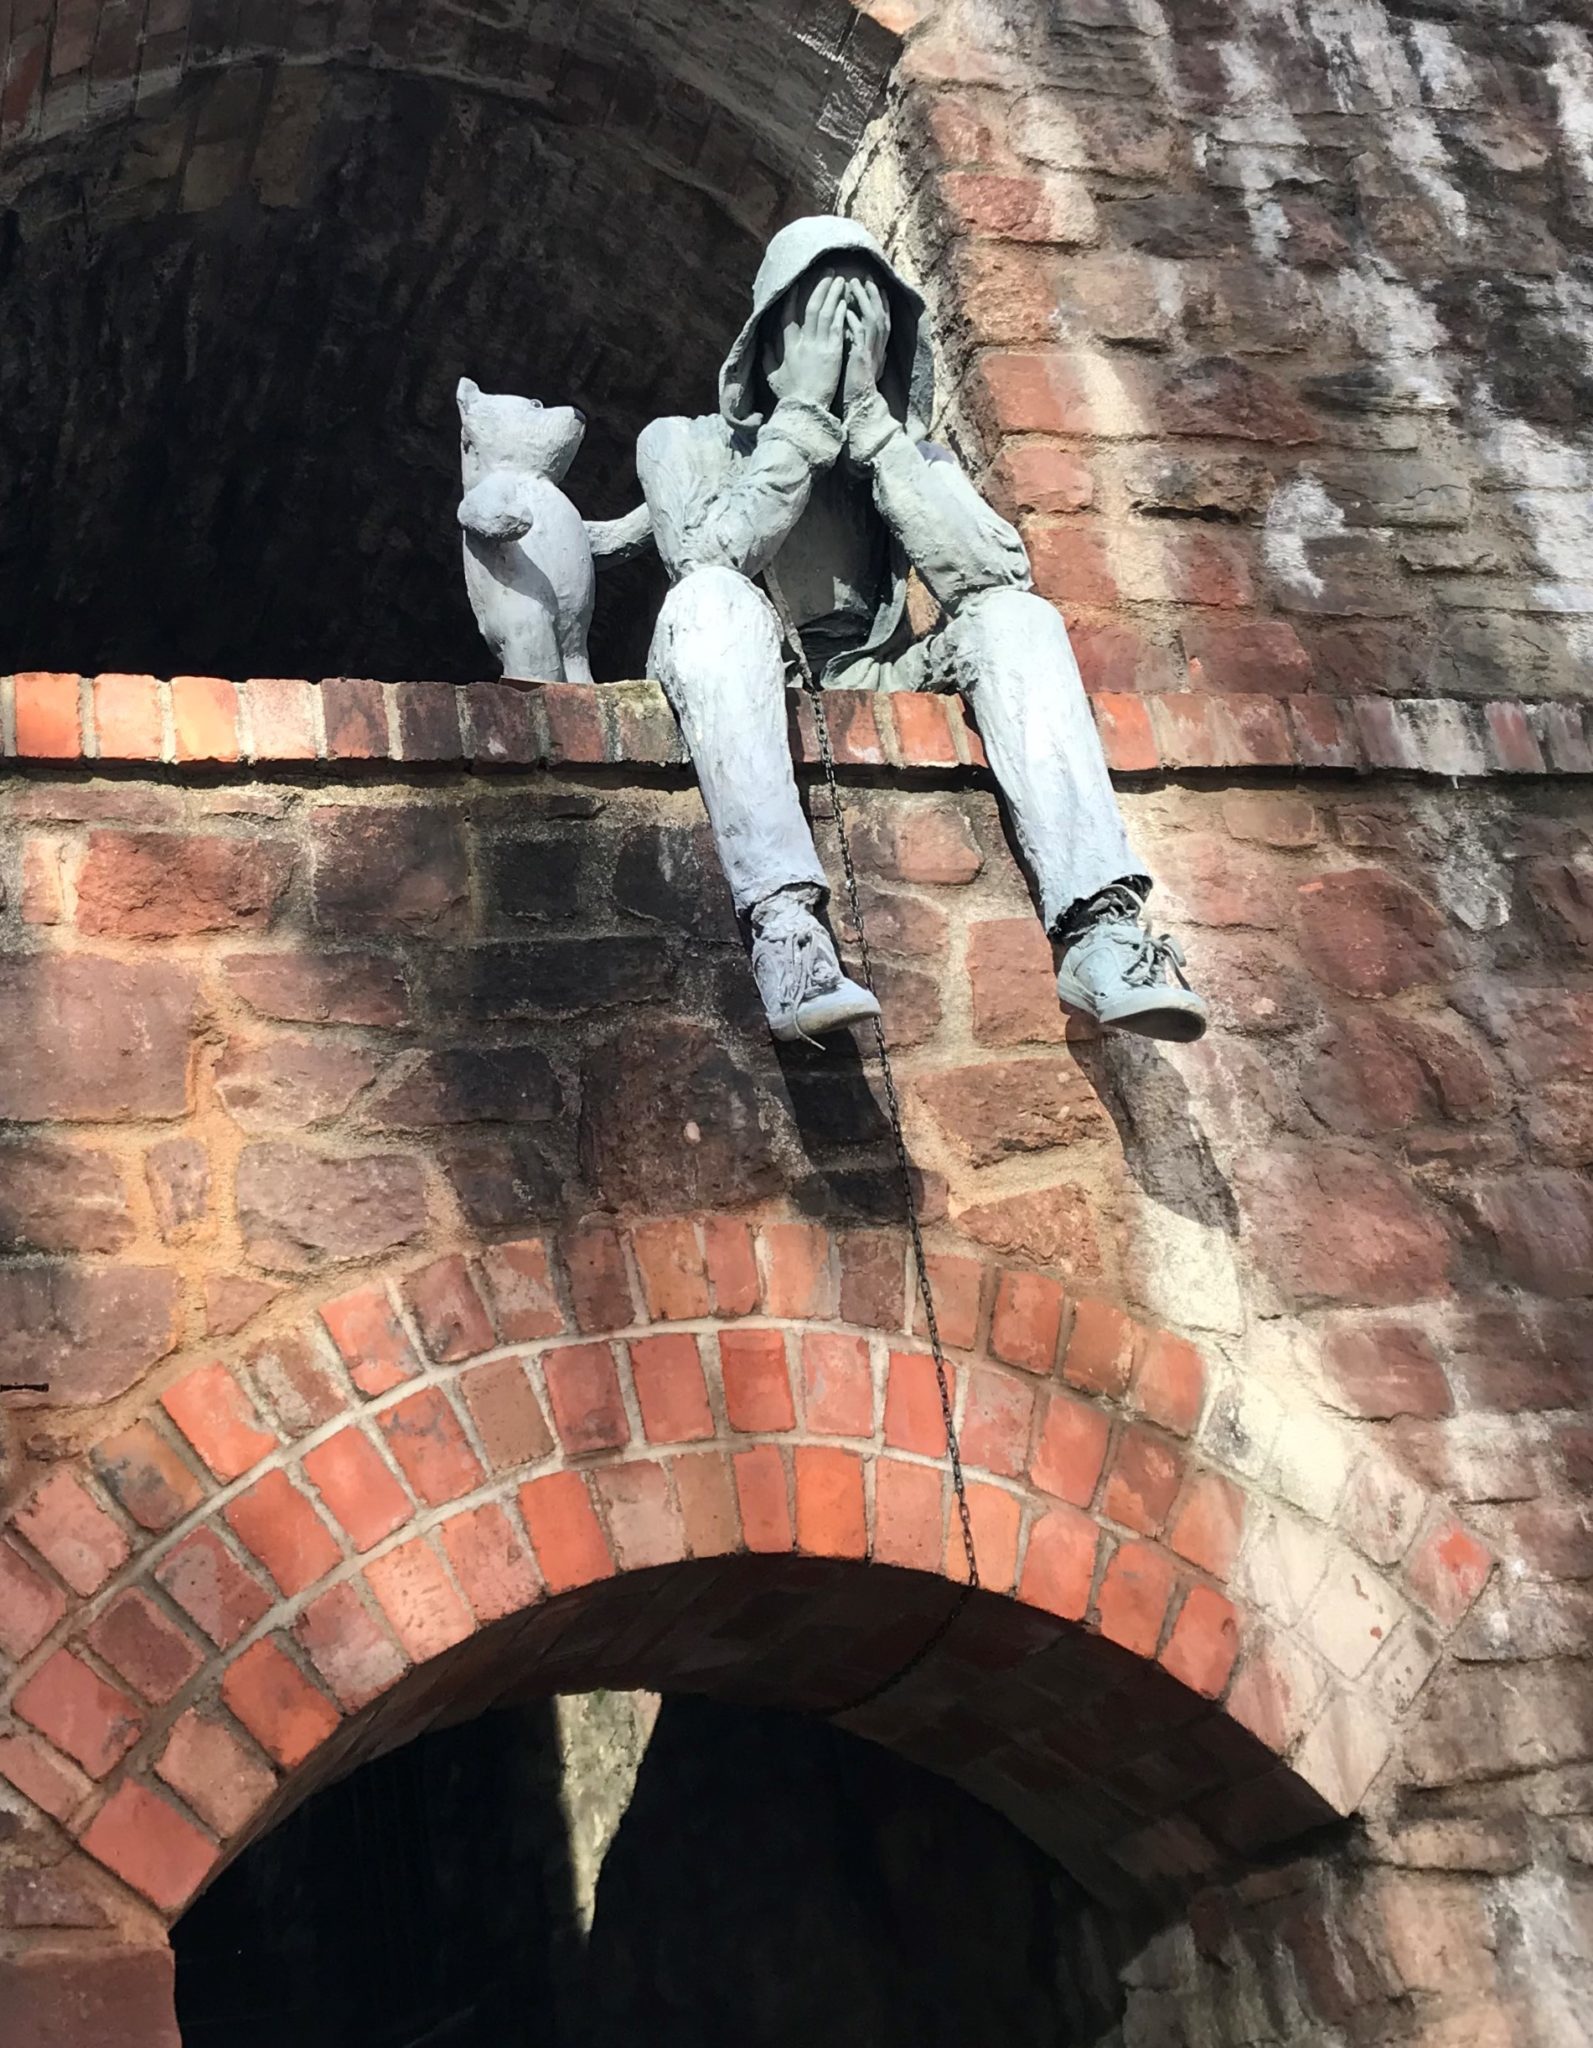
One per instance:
(955, 541)
(732, 514)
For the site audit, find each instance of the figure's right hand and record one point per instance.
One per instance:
(814, 341)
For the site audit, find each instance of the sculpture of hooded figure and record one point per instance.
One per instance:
(816, 478)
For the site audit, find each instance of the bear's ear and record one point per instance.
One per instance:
(467, 391)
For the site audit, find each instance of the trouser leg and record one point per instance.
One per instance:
(1007, 651)
(717, 653)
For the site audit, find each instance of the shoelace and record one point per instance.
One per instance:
(1119, 918)
(793, 941)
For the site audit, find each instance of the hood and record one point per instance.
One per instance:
(908, 382)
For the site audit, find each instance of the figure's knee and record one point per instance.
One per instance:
(1007, 613)
(714, 617)
(711, 598)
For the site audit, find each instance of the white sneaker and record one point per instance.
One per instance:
(1116, 972)
(804, 992)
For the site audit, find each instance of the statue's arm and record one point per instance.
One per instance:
(622, 539)
(737, 515)
(955, 541)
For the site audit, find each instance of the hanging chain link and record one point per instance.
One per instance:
(815, 696)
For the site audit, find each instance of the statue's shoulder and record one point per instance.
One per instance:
(682, 453)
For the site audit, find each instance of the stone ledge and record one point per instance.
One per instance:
(206, 722)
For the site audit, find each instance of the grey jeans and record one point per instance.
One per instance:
(718, 652)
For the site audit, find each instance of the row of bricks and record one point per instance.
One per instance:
(353, 1640)
(206, 721)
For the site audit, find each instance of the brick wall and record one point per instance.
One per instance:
(391, 1112)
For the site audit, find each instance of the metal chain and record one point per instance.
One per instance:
(815, 695)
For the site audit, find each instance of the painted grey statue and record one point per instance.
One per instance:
(529, 555)
(816, 478)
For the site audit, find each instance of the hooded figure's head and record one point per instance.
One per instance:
(908, 379)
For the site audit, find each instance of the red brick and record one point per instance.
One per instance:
(141, 1646)
(354, 1481)
(1059, 1567)
(293, 1385)
(1381, 1370)
(830, 1518)
(88, 1719)
(354, 714)
(370, 1340)
(837, 1385)
(1146, 1475)
(1132, 1602)
(1026, 1321)
(43, 894)
(492, 1562)
(1070, 1450)
(764, 1498)
(1368, 933)
(914, 1418)
(1126, 734)
(449, 1312)
(281, 718)
(353, 1654)
(1100, 1349)
(670, 1389)
(219, 1420)
(151, 1846)
(757, 1381)
(127, 718)
(224, 1782)
(1253, 654)
(72, 1533)
(286, 1715)
(1032, 392)
(956, 1287)
(1322, 735)
(1040, 476)
(169, 885)
(873, 1294)
(674, 1278)
(1332, 1224)
(1209, 1523)
(798, 1281)
(49, 724)
(1448, 1571)
(1013, 982)
(1170, 1386)
(204, 713)
(997, 1419)
(584, 1391)
(994, 1517)
(29, 1605)
(1201, 1650)
(277, 1524)
(732, 1266)
(213, 1588)
(909, 1515)
(643, 1519)
(1072, 563)
(55, 1786)
(923, 731)
(508, 1416)
(414, 1591)
(600, 1288)
(575, 723)
(428, 1440)
(571, 1549)
(706, 1488)
(520, 1289)
(1512, 744)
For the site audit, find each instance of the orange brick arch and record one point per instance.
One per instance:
(696, 1455)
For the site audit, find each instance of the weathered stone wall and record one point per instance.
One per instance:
(331, 1016)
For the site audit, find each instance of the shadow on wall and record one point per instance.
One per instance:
(773, 1883)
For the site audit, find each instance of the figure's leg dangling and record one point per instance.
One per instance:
(717, 653)
(1008, 651)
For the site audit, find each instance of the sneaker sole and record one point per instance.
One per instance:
(821, 1015)
(1176, 1016)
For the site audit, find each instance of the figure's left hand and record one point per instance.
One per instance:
(868, 333)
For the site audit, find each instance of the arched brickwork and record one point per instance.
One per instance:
(688, 1456)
